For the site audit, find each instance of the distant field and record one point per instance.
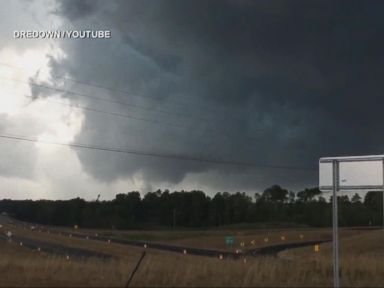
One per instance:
(361, 258)
(362, 254)
(370, 243)
(214, 239)
(361, 266)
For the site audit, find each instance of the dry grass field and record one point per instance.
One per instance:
(214, 239)
(362, 265)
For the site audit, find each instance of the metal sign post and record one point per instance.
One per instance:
(383, 194)
(335, 234)
(360, 173)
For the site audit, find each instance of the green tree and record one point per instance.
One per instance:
(275, 194)
(308, 194)
(356, 198)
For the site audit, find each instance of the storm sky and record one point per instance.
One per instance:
(274, 83)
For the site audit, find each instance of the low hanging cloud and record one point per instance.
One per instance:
(268, 82)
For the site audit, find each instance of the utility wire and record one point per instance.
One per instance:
(121, 115)
(68, 92)
(158, 122)
(156, 154)
(108, 89)
(76, 106)
(99, 98)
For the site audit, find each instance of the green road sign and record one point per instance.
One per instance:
(229, 240)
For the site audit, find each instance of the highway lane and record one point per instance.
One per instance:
(271, 250)
(52, 248)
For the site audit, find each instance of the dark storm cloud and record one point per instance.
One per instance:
(281, 82)
(77, 9)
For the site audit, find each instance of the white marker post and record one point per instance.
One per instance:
(362, 173)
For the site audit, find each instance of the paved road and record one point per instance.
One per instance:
(52, 248)
(264, 251)
(273, 250)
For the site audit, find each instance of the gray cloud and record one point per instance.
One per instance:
(261, 81)
(17, 159)
(79, 9)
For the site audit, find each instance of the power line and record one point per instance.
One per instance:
(224, 131)
(122, 115)
(158, 122)
(106, 112)
(112, 113)
(100, 98)
(112, 90)
(157, 155)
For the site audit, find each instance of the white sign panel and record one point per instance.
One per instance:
(325, 175)
(355, 173)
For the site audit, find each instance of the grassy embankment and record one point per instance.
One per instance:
(361, 260)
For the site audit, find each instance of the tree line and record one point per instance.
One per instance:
(196, 209)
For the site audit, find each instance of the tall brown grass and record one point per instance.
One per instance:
(20, 267)
(362, 263)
